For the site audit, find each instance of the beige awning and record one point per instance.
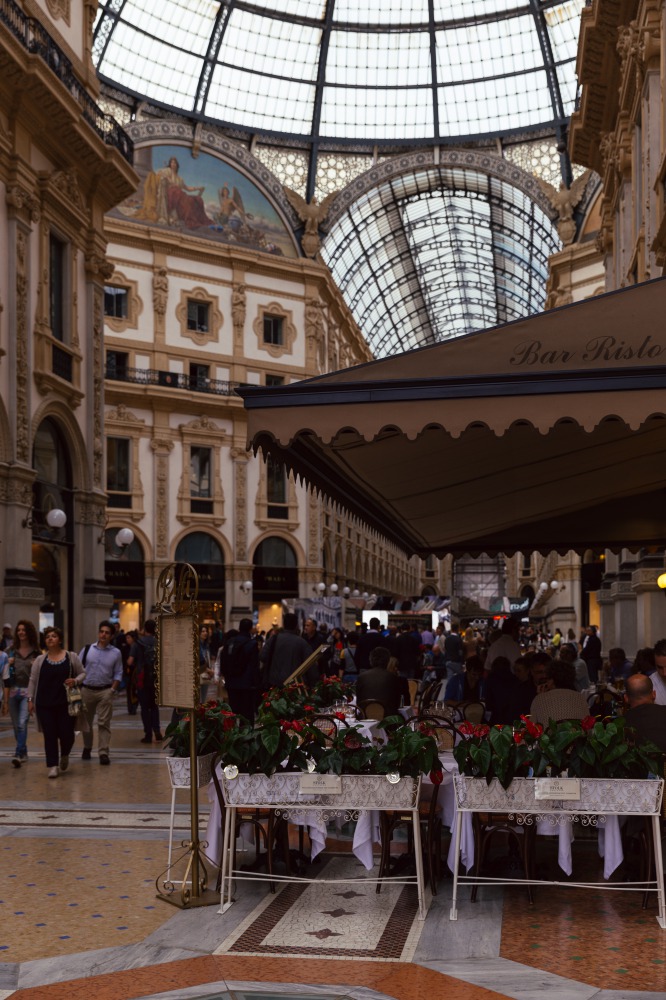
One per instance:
(547, 433)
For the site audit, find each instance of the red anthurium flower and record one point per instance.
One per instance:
(481, 730)
(308, 708)
(588, 722)
(340, 715)
(436, 777)
(517, 737)
(466, 728)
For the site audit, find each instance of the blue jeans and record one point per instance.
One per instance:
(18, 710)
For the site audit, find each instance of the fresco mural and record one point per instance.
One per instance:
(206, 197)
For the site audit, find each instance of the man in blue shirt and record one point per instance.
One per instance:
(104, 672)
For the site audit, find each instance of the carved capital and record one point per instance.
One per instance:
(98, 267)
(21, 200)
(164, 445)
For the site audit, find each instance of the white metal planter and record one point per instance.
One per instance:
(179, 770)
(358, 791)
(597, 796)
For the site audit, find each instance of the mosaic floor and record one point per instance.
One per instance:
(79, 916)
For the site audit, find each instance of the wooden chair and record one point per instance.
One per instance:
(268, 829)
(474, 711)
(488, 825)
(373, 709)
(328, 725)
(431, 834)
(444, 732)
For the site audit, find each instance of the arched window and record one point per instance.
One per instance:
(199, 547)
(275, 572)
(275, 552)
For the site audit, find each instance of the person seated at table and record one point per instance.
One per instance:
(648, 719)
(377, 684)
(619, 667)
(468, 686)
(644, 662)
(568, 655)
(394, 668)
(562, 701)
(499, 691)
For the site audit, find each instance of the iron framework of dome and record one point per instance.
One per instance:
(320, 87)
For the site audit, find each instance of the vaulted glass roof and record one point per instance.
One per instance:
(323, 90)
(437, 253)
(361, 71)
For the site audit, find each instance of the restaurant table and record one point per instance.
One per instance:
(376, 790)
(559, 821)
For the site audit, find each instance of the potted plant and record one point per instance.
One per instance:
(605, 755)
(290, 702)
(212, 720)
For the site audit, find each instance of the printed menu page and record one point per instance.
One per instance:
(178, 661)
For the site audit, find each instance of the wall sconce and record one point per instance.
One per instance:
(55, 518)
(246, 586)
(122, 541)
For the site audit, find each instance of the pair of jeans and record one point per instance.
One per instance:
(18, 711)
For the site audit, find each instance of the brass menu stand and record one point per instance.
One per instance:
(178, 687)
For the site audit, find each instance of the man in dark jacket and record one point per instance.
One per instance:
(284, 652)
(591, 653)
(239, 666)
(648, 719)
(372, 638)
(141, 662)
(377, 684)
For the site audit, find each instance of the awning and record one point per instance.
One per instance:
(547, 433)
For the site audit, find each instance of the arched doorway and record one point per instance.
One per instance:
(53, 547)
(125, 573)
(201, 551)
(274, 577)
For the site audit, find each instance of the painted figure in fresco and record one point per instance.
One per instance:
(168, 199)
(231, 206)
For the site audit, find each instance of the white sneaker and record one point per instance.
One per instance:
(53, 772)
(64, 762)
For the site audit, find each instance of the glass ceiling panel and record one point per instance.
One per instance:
(489, 70)
(356, 58)
(280, 48)
(438, 253)
(388, 12)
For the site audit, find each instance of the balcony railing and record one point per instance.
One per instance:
(171, 380)
(36, 40)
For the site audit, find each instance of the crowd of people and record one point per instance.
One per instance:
(515, 670)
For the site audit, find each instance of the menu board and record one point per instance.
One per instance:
(177, 661)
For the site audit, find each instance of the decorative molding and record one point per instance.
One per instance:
(238, 313)
(315, 333)
(134, 304)
(98, 383)
(65, 183)
(240, 504)
(288, 329)
(60, 9)
(161, 447)
(98, 268)
(261, 518)
(21, 346)
(21, 201)
(215, 318)
(120, 414)
(160, 291)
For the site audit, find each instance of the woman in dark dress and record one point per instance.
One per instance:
(51, 672)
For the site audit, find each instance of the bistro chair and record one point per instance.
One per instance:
(268, 829)
(444, 732)
(474, 711)
(328, 725)
(373, 709)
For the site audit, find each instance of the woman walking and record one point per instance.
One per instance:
(22, 655)
(51, 673)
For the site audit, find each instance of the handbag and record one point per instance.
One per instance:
(73, 695)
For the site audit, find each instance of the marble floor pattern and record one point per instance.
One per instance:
(79, 917)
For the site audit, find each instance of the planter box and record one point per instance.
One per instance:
(359, 791)
(597, 796)
(179, 770)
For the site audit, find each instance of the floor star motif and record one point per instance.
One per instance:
(323, 934)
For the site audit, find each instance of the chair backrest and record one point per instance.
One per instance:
(427, 695)
(373, 709)
(474, 711)
(443, 732)
(327, 725)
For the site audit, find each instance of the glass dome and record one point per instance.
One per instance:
(348, 71)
